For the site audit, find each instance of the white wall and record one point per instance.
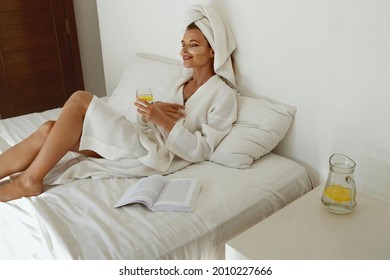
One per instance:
(90, 46)
(330, 58)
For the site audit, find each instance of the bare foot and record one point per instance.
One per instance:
(19, 188)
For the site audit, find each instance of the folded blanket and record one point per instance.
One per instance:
(220, 37)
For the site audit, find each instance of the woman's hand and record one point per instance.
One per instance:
(173, 111)
(161, 113)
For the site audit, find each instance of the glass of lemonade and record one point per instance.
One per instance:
(145, 94)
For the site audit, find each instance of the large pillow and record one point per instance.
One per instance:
(261, 124)
(143, 70)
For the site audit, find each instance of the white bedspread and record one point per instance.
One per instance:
(78, 221)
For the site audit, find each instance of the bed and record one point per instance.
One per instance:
(242, 183)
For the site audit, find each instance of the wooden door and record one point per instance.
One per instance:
(39, 55)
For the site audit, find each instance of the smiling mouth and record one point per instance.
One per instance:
(187, 57)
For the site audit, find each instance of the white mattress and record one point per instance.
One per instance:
(78, 220)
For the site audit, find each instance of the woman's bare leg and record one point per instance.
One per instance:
(63, 137)
(19, 157)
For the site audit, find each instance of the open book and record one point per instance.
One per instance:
(157, 194)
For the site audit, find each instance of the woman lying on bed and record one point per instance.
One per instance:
(198, 113)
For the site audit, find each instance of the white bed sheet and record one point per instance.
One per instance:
(78, 221)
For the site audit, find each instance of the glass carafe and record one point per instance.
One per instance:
(339, 195)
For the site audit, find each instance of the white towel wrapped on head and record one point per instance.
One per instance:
(220, 38)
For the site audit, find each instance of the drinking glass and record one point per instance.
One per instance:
(145, 94)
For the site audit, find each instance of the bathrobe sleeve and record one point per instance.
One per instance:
(209, 119)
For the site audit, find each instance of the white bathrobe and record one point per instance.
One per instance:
(127, 152)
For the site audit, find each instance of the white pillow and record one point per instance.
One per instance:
(143, 70)
(261, 124)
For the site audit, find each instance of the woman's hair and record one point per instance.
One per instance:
(192, 26)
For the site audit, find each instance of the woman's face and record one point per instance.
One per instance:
(195, 49)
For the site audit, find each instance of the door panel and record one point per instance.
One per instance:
(39, 56)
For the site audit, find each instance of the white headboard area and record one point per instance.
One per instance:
(329, 58)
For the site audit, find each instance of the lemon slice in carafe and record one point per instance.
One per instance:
(338, 193)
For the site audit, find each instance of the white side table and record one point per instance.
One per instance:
(305, 230)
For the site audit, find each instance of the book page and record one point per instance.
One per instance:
(177, 194)
(145, 191)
